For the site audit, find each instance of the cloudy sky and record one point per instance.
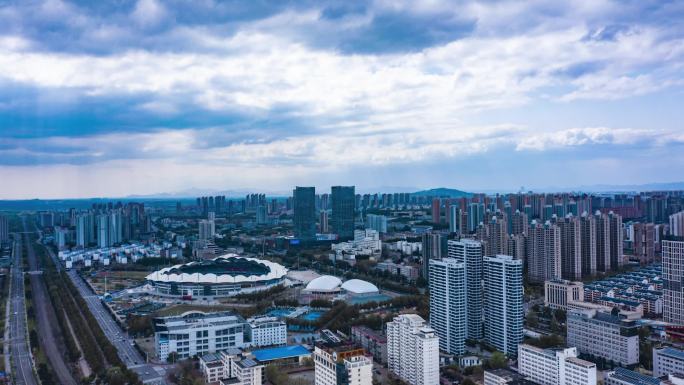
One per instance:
(119, 97)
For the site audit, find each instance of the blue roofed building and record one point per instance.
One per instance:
(291, 354)
(643, 286)
(667, 360)
(622, 376)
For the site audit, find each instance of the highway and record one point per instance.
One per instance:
(49, 332)
(20, 357)
(149, 374)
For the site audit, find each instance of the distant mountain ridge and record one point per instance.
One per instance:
(443, 192)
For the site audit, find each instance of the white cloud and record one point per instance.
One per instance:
(149, 13)
(596, 135)
(359, 109)
(432, 87)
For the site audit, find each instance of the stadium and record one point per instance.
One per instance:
(224, 276)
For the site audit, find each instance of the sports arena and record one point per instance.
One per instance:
(224, 276)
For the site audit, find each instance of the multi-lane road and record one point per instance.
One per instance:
(149, 373)
(20, 356)
(48, 329)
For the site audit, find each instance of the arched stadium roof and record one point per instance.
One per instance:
(229, 268)
(324, 283)
(358, 286)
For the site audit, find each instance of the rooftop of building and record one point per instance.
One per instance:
(672, 379)
(604, 316)
(564, 282)
(281, 352)
(196, 315)
(324, 283)
(211, 358)
(552, 352)
(581, 362)
(247, 363)
(615, 319)
(671, 352)
(466, 241)
(511, 377)
(370, 333)
(620, 301)
(504, 258)
(262, 319)
(358, 286)
(633, 377)
(343, 349)
(232, 351)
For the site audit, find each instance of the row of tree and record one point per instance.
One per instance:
(45, 372)
(97, 350)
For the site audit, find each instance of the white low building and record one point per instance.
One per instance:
(559, 293)
(366, 242)
(197, 333)
(467, 361)
(266, 331)
(405, 247)
(622, 376)
(246, 372)
(129, 252)
(667, 360)
(555, 366)
(212, 367)
(601, 334)
(231, 367)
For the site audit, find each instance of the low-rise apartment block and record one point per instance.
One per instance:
(232, 367)
(602, 334)
(555, 366)
(622, 376)
(667, 360)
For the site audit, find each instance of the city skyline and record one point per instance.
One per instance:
(147, 97)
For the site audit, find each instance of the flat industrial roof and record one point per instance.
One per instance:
(280, 352)
(675, 353)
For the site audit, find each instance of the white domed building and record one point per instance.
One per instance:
(359, 287)
(323, 287)
(356, 288)
(330, 288)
